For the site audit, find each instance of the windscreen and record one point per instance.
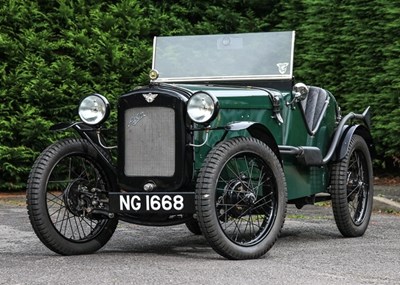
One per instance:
(224, 57)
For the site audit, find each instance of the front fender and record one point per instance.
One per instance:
(238, 126)
(89, 133)
(85, 131)
(257, 131)
(81, 128)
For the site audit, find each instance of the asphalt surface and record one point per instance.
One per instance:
(309, 251)
(387, 198)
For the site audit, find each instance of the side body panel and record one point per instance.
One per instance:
(256, 106)
(235, 106)
(303, 181)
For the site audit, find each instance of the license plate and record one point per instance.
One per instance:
(139, 202)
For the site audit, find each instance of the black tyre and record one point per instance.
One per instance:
(60, 192)
(352, 189)
(241, 198)
(193, 226)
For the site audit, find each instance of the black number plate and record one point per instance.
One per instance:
(139, 202)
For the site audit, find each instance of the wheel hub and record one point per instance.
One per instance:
(355, 188)
(74, 199)
(238, 195)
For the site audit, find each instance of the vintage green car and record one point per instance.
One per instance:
(221, 139)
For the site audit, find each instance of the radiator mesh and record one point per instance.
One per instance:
(150, 142)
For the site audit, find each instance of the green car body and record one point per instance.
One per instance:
(254, 106)
(222, 139)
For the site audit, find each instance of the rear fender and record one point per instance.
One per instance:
(348, 133)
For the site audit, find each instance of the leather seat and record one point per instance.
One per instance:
(314, 107)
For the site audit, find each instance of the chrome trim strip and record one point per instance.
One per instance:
(292, 58)
(154, 52)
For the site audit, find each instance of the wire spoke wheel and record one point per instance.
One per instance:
(66, 198)
(241, 198)
(352, 189)
(245, 199)
(66, 184)
(357, 187)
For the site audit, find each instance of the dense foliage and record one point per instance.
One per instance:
(55, 52)
(353, 49)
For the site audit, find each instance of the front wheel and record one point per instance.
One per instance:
(241, 198)
(352, 189)
(193, 226)
(66, 182)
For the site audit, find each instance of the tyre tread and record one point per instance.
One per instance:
(203, 207)
(38, 216)
(339, 193)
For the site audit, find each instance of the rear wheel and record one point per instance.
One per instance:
(66, 182)
(241, 198)
(352, 189)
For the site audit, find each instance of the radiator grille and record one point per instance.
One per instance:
(150, 142)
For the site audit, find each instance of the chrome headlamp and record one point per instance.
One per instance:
(202, 107)
(94, 109)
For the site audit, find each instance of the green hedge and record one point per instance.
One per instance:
(53, 53)
(353, 50)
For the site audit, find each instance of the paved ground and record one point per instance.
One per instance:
(309, 251)
(387, 198)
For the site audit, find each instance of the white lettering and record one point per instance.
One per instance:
(152, 202)
(135, 206)
(166, 203)
(178, 202)
(155, 204)
(123, 202)
(147, 203)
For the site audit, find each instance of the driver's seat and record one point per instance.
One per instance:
(314, 107)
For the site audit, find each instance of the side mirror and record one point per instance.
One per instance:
(300, 92)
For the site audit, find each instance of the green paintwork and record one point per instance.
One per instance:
(246, 104)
